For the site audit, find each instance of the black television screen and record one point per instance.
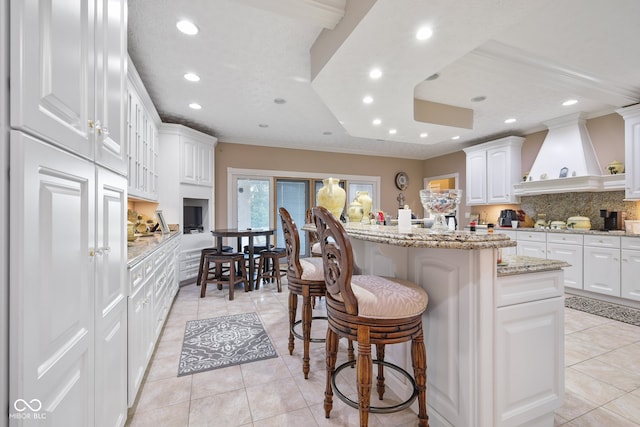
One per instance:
(192, 218)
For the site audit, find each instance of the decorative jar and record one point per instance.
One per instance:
(355, 211)
(332, 197)
(440, 203)
(365, 200)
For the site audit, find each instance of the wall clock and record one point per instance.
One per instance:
(402, 181)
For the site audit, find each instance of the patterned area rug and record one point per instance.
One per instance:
(223, 341)
(604, 309)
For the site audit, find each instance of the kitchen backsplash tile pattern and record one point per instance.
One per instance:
(559, 207)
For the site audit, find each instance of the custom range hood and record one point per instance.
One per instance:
(567, 162)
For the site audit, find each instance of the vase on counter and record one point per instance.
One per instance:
(332, 197)
(365, 200)
(355, 211)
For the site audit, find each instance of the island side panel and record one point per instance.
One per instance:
(458, 325)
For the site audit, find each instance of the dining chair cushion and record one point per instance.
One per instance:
(387, 298)
(316, 249)
(312, 269)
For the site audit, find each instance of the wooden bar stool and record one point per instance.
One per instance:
(225, 249)
(370, 310)
(269, 267)
(223, 269)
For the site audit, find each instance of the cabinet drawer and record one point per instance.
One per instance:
(190, 255)
(630, 243)
(532, 236)
(602, 241)
(570, 239)
(523, 288)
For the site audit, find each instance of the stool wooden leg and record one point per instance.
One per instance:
(306, 331)
(331, 346)
(203, 278)
(364, 367)
(242, 268)
(419, 360)
(350, 353)
(199, 279)
(276, 270)
(260, 275)
(293, 307)
(232, 279)
(380, 383)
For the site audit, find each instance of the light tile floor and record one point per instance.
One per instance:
(602, 374)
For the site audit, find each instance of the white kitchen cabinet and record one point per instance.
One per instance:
(68, 76)
(152, 286)
(143, 122)
(602, 264)
(567, 248)
(531, 243)
(512, 250)
(196, 161)
(67, 257)
(631, 117)
(630, 268)
(492, 170)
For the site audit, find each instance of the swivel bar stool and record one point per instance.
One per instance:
(370, 310)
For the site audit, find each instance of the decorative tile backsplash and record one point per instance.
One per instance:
(559, 207)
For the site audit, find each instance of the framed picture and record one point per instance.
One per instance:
(163, 224)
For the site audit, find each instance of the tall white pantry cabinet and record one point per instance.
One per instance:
(68, 202)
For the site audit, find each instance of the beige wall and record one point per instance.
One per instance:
(257, 157)
(607, 135)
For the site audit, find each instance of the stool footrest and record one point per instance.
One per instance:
(376, 409)
(300, 337)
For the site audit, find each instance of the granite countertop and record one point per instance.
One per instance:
(513, 264)
(423, 238)
(570, 231)
(145, 245)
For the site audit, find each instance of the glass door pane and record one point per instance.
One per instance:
(293, 195)
(253, 206)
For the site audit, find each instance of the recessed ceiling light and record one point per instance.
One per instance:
(392, 131)
(367, 99)
(192, 77)
(424, 33)
(195, 106)
(187, 27)
(263, 125)
(280, 101)
(510, 121)
(569, 102)
(432, 77)
(455, 137)
(376, 122)
(327, 133)
(424, 135)
(478, 98)
(376, 73)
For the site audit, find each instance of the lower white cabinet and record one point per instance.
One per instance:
(152, 287)
(568, 248)
(602, 264)
(531, 243)
(630, 268)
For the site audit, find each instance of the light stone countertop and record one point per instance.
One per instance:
(145, 245)
(423, 238)
(513, 265)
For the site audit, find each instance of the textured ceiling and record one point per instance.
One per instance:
(525, 57)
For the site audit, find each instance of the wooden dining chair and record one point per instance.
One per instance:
(369, 310)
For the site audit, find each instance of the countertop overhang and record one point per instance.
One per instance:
(514, 265)
(423, 237)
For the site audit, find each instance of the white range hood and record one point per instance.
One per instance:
(567, 162)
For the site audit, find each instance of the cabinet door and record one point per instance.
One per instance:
(111, 300)
(533, 249)
(477, 178)
(602, 270)
(52, 72)
(139, 337)
(111, 57)
(572, 254)
(189, 167)
(133, 118)
(529, 340)
(630, 284)
(632, 151)
(52, 280)
(206, 164)
(499, 185)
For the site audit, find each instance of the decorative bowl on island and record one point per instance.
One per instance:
(440, 203)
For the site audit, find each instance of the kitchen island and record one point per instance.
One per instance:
(494, 335)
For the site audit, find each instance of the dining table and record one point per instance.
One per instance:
(240, 233)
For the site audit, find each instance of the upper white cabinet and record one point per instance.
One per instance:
(492, 170)
(631, 117)
(68, 76)
(142, 127)
(196, 160)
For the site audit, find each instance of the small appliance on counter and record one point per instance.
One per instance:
(506, 216)
(610, 219)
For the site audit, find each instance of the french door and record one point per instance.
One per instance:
(294, 195)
